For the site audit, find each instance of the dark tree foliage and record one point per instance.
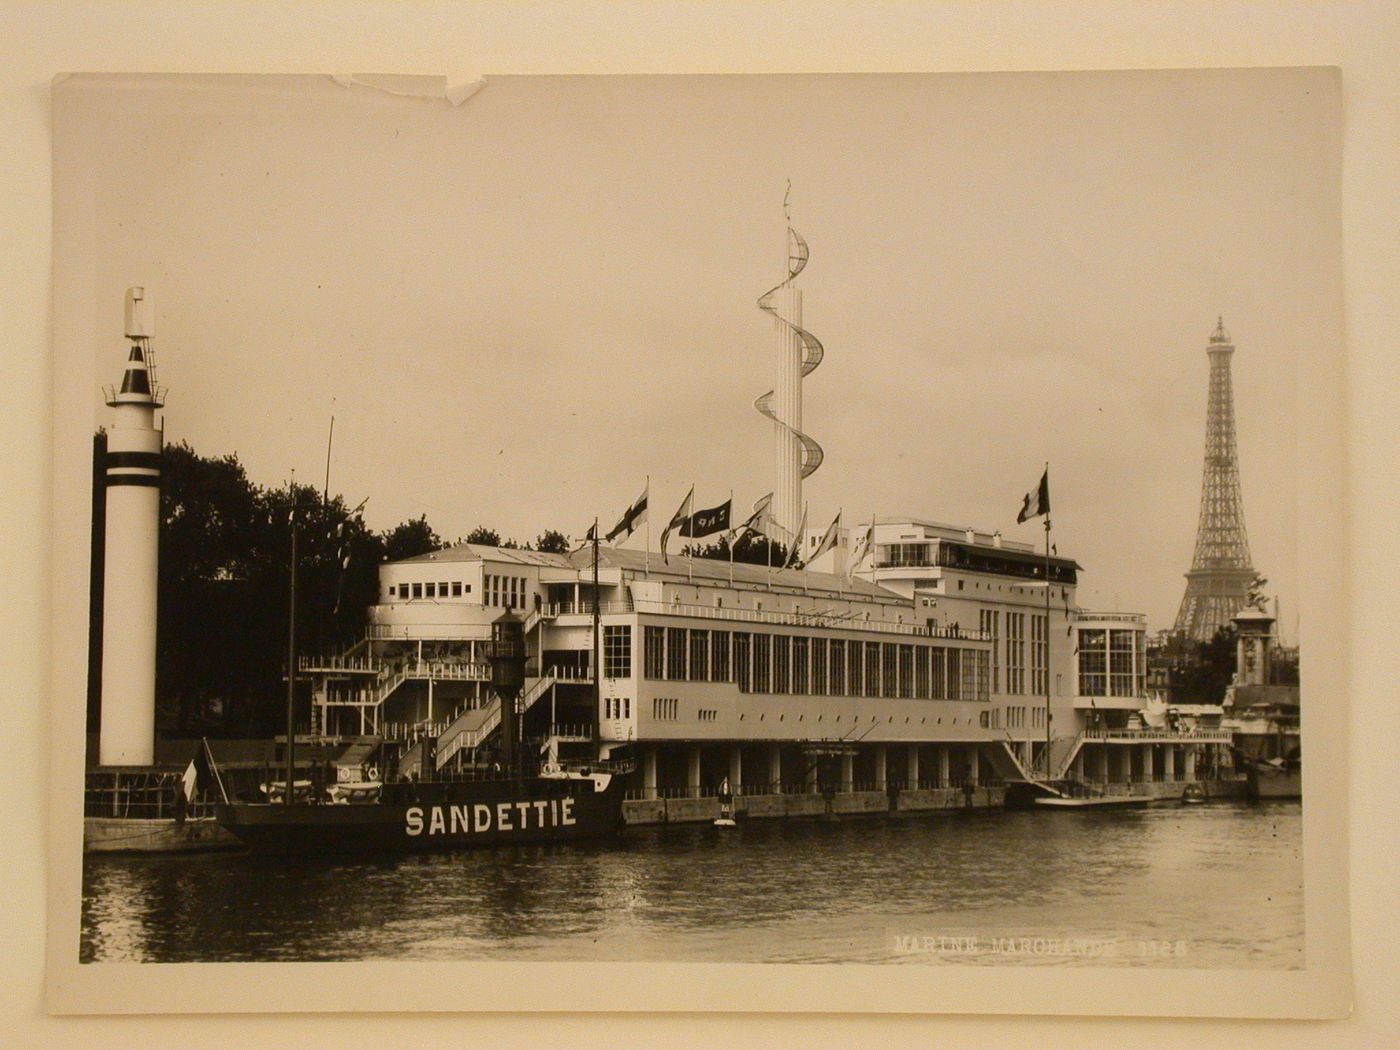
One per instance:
(1208, 671)
(223, 590)
(410, 539)
(552, 542)
(753, 548)
(484, 536)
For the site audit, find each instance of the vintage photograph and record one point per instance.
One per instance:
(716, 519)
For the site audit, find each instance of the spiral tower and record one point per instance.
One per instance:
(798, 353)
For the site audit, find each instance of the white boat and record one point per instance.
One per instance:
(1092, 801)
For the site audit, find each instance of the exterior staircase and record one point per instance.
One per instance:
(358, 753)
(471, 728)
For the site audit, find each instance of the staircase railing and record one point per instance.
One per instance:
(469, 739)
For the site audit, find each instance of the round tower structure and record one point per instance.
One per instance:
(131, 478)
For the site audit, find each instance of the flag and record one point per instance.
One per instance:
(677, 520)
(198, 776)
(862, 546)
(760, 519)
(794, 558)
(828, 540)
(342, 542)
(591, 534)
(631, 517)
(1037, 501)
(707, 522)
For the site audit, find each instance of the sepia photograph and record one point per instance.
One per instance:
(818, 520)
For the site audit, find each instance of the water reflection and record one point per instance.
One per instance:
(1224, 879)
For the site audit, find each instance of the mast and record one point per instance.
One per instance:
(1047, 638)
(597, 655)
(292, 656)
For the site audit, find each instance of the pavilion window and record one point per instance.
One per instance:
(954, 674)
(762, 649)
(699, 656)
(654, 642)
(1093, 663)
(719, 657)
(675, 654)
(781, 663)
(906, 671)
(742, 676)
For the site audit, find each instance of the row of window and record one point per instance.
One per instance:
(455, 589)
(1109, 665)
(780, 663)
(504, 591)
(1016, 650)
(617, 651)
(617, 707)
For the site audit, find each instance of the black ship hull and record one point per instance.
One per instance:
(414, 818)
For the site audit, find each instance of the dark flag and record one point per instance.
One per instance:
(707, 522)
(631, 517)
(343, 537)
(678, 520)
(1036, 501)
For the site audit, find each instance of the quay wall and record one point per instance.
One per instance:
(925, 800)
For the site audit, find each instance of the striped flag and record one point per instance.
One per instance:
(631, 517)
(794, 558)
(862, 547)
(1037, 501)
(678, 519)
(828, 540)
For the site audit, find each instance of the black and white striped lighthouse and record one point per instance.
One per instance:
(131, 551)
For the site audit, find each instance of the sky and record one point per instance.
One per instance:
(519, 307)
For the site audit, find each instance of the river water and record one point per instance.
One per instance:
(1212, 886)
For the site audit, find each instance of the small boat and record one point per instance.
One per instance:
(726, 806)
(1066, 794)
(1091, 801)
(1193, 795)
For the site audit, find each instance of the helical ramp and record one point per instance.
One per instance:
(812, 351)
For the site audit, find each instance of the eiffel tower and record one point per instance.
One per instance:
(1217, 587)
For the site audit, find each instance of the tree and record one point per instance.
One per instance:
(753, 548)
(552, 542)
(1209, 669)
(1258, 598)
(484, 536)
(411, 538)
(222, 590)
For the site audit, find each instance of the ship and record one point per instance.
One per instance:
(418, 816)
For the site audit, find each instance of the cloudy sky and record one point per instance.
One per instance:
(518, 307)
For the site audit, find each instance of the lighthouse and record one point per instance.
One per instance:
(131, 549)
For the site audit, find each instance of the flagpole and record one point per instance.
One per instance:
(801, 541)
(690, 559)
(1047, 629)
(646, 571)
(732, 535)
(596, 656)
